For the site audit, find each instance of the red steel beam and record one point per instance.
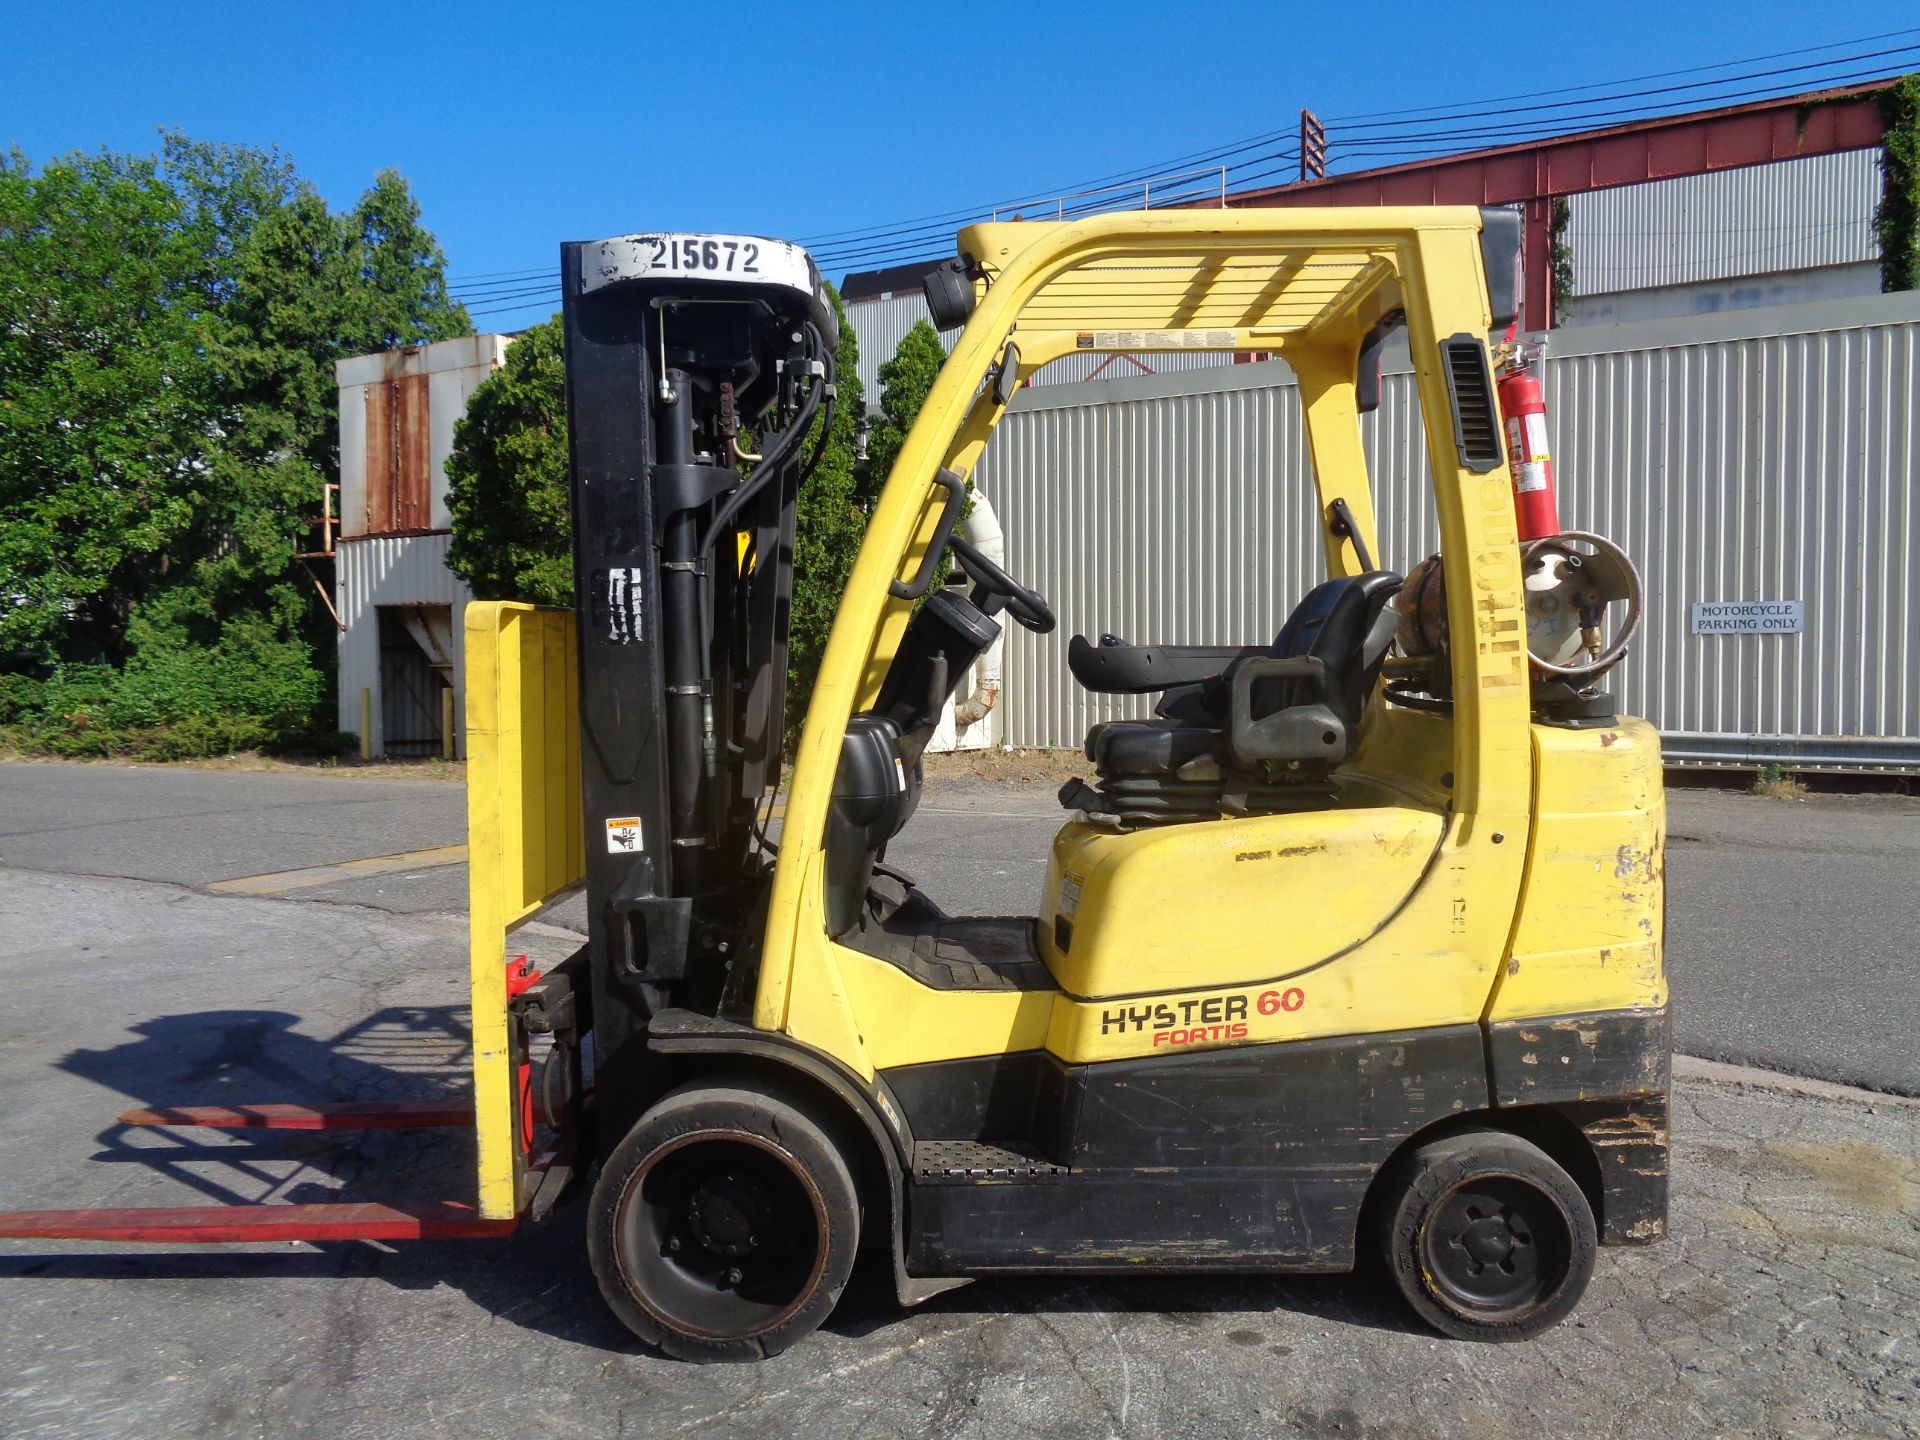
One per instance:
(240, 1224)
(366, 1115)
(1533, 173)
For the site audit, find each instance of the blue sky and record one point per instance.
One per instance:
(521, 126)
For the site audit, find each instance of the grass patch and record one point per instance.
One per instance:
(1776, 782)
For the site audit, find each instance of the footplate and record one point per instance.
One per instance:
(972, 1162)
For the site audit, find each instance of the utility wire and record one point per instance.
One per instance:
(884, 243)
(1432, 140)
(1501, 100)
(1905, 50)
(1425, 132)
(495, 275)
(1560, 125)
(1378, 151)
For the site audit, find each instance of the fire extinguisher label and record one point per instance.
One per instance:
(1527, 448)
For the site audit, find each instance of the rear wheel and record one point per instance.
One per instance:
(724, 1226)
(1486, 1236)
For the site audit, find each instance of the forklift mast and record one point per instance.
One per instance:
(698, 368)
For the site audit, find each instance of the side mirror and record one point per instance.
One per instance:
(949, 295)
(1501, 227)
(1006, 374)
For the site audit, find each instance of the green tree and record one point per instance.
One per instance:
(103, 389)
(1897, 220)
(828, 524)
(904, 383)
(508, 487)
(168, 330)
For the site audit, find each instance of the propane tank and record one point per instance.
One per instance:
(1523, 404)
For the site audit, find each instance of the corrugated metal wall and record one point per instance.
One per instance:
(391, 570)
(1754, 456)
(880, 325)
(1761, 467)
(1790, 215)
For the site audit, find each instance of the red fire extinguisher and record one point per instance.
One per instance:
(1524, 407)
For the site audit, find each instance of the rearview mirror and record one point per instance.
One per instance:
(1500, 232)
(1006, 374)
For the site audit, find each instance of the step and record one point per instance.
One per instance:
(973, 1162)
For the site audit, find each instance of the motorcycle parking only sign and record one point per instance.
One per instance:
(1748, 617)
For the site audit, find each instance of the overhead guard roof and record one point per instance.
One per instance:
(1211, 279)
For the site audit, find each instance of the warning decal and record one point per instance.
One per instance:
(623, 834)
(1156, 340)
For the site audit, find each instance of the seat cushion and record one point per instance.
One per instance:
(1150, 747)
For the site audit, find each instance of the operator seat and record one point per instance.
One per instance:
(1237, 731)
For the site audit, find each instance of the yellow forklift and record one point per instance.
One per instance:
(1349, 943)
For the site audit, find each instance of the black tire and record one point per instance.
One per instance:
(1486, 1236)
(724, 1226)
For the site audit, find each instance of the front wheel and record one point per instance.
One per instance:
(724, 1226)
(1486, 1236)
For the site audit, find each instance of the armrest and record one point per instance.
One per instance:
(1305, 730)
(1123, 669)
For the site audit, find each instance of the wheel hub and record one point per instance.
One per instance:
(1489, 1240)
(1484, 1249)
(728, 1215)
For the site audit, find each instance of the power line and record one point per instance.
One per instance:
(497, 274)
(1434, 132)
(1387, 149)
(1908, 50)
(551, 302)
(1424, 134)
(1627, 79)
(497, 288)
(917, 236)
(549, 288)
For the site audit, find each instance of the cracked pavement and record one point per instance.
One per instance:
(1786, 1303)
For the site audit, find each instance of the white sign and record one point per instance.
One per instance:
(1749, 617)
(749, 259)
(623, 834)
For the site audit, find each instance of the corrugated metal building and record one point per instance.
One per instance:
(1757, 455)
(880, 324)
(1743, 448)
(398, 605)
(1776, 234)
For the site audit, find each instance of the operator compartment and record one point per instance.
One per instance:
(1238, 797)
(879, 911)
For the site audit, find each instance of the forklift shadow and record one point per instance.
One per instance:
(1365, 1299)
(539, 1278)
(242, 1057)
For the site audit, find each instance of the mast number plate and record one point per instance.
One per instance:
(749, 258)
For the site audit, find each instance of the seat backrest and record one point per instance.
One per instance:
(1341, 623)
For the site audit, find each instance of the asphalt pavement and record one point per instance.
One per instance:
(1786, 1302)
(1791, 938)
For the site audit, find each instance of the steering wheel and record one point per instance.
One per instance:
(991, 584)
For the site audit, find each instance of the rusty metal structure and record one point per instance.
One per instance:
(401, 680)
